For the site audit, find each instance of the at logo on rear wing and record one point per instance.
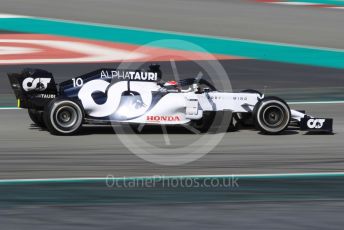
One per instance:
(37, 84)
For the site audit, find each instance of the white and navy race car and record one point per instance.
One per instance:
(133, 97)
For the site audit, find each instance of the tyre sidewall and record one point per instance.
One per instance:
(258, 115)
(50, 116)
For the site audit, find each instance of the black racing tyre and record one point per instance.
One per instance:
(271, 115)
(37, 117)
(63, 117)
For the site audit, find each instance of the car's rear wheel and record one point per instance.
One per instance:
(63, 117)
(37, 117)
(271, 115)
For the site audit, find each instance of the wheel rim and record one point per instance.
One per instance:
(66, 116)
(273, 116)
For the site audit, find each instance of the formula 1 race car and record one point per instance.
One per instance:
(133, 97)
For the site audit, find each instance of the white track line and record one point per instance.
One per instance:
(85, 179)
(320, 5)
(9, 108)
(12, 16)
(336, 7)
(314, 102)
(297, 3)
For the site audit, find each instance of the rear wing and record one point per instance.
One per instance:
(33, 88)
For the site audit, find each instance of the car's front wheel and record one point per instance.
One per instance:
(63, 117)
(271, 115)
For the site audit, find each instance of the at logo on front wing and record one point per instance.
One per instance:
(38, 84)
(315, 123)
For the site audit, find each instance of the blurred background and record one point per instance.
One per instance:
(289, 48)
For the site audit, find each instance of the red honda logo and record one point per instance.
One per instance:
(163, 118)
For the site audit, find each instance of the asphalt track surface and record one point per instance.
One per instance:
(285, 203)
(28, 152)
(240, 215)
